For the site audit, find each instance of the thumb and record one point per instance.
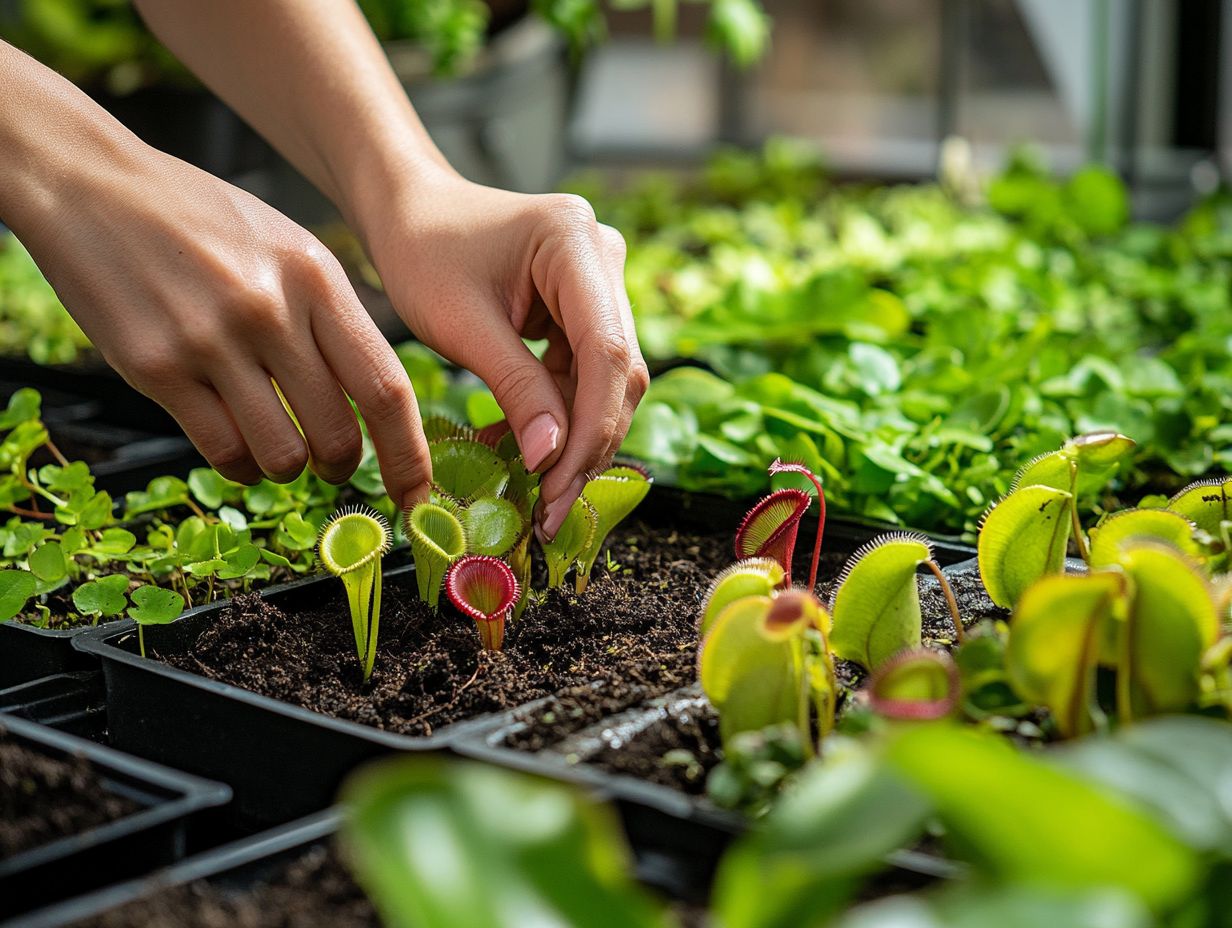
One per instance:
(526, 391)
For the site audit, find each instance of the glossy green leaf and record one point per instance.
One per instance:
(1025, 821)
(464, 469)
(1054, 645)
(877, 605)
(493, 526)
(615, 494)
(1023, 538)
(445, 844)
(47, 562)
(102, 597)
(1205, 503)
(154, 605)
(437, 540)
(208, 486)
(16, 588)
(1159, 525)
(756, 576)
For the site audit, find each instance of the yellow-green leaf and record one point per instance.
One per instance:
(1022, 539)
(877, 606)
(754, 576)
(1158, 524)
(1204, 503)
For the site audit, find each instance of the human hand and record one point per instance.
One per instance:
(473, 271)
(199, 294)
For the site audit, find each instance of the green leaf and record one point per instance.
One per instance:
(160, 493)
(295, 533)
(614, 494)
(482, 409)
(1108, 539)
(877, 606)
(1054, 644)
(465, 470)
(208, 486)
(441, 845)
(805, 860)
(25, 405)
(974, 906)
(1023, 821)
(493, 526)
(102, 597)
(154, 605)
(240, 562)
(757, 576)
(114, 542)
(1023, 538)
(437, 539)
(47, 562)
(1204, 503)
(16, 588)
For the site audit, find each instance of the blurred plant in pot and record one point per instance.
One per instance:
(33, 322)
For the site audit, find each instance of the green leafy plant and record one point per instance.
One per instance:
(573, 539)
(153, 605)
(918, 685)
(485, 589)
(769, 529)
(352, 545)
(876, 603)
(757, 576)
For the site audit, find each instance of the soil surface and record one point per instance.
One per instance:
(631, 636)
(44, 798)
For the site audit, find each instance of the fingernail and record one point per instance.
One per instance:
(413, 498)
(539, 440)
(558, 508)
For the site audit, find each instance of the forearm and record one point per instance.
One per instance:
(55, 143)
(310, 76)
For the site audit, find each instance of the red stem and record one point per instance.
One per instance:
(821, 528)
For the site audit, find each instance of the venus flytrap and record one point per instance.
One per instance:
(614, 494)
(485, 589)
(756, 576)
(769, 529)
(575, 535)
(437, 539)
(351, 547)
(464, 469)
(919, 685)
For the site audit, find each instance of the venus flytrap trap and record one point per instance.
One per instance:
(876, 604)
(614, 494)
(352, 545)
(770, 528)
(756, 576)
(575, 535)
(919, 685)
(437, 539)
(485, 589)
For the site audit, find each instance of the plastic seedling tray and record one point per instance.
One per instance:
(152, 837)
(71, 702)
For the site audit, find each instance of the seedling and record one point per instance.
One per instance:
(756, 576)
(779, 467)
(437, 540)
(916, 685)
(485, 589)
(613, 494)
(876, 604)
(574, 536)
(769, 529)
(153, 605)
(765, 661)
(351, 547)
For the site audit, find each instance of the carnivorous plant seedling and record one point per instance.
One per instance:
(437, 540)
(876, 603)
(351, 547)
(916, 685)
(754, 576)
(614, 494)
(485, 589)
(572, 538)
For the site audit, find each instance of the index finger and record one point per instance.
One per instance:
(371, 374)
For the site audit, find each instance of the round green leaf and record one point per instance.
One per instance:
(16, 588)
(877, 606)
(1022, 539)
(153, 605)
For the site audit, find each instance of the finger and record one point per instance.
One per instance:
(639, 376)
(573, 279)
(209, 426)
(326, 418)
(523, 387)
(369, 371)
(271, 436)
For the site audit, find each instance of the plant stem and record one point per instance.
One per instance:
(141, 639)
(29, 513)
(950, 600)
(55, 453)
(1079, 538)
(375, 621)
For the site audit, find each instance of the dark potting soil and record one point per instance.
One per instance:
(44, 798)
(631, 636)
(313, 891)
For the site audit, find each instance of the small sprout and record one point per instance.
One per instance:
(464, 469)
(485, 589)
(153, 605)
(492, 525)
(572, 538)
(780, 467)
(877, 601)
(1156, 524)
(437, 540)
(1023, 538)
(769, 528)
(614, 494)
(754, 576)
(520, 564)
(352, 544)
(915, 685)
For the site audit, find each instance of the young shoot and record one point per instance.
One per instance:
(614, 494)
(352, 544)
(485, 589)
(153, 605)
(437, 540)
(572, 538)
(769, 529)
